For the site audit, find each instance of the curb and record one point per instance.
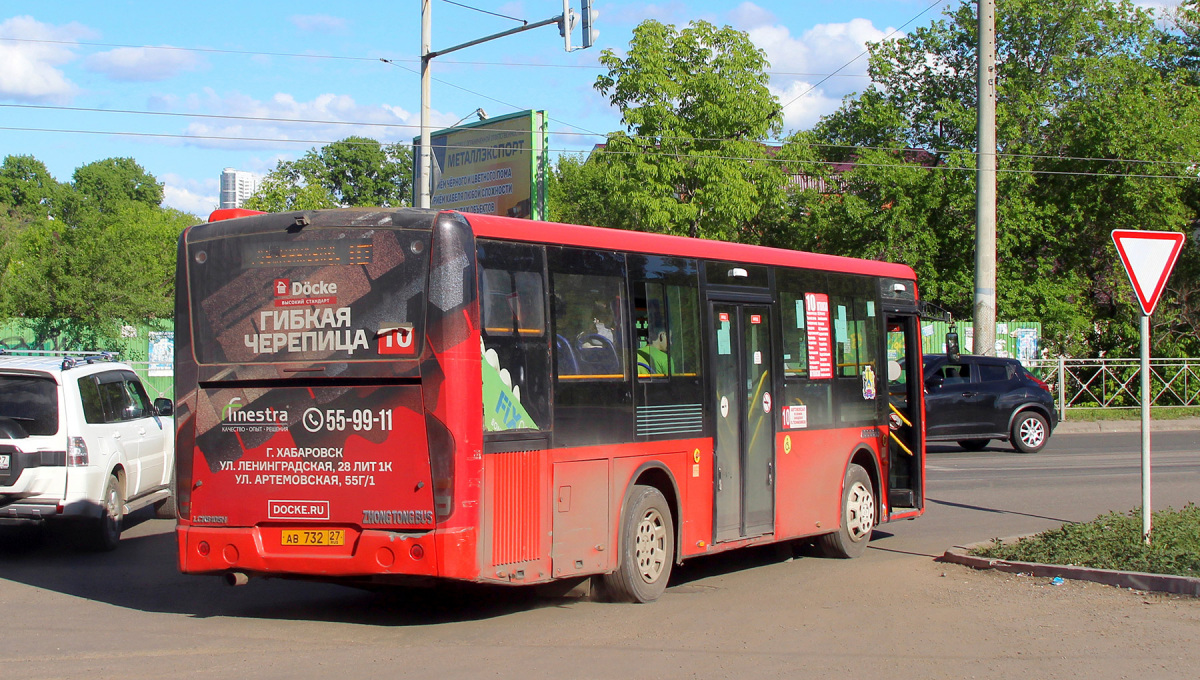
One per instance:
(1159, 583)
(1097, 426)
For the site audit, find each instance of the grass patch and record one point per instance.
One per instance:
(1114, 541)
(1091, 415)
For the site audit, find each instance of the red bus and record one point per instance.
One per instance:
(374, 396)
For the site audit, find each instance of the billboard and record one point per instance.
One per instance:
(496, 166)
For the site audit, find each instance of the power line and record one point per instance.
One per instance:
(305, 121)
(856, 164)
(514, 107)
(484, 11)
(860, 56)
(413, 60)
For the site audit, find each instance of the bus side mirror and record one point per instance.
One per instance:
(952, 346)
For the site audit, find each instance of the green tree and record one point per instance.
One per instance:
(1096, 123)
(80, 282)
(108, 182)
(696, 108)
(78, 260)
(26, 185)
(356, 171)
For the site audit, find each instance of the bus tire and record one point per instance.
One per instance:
(647, 549)
(858, 516)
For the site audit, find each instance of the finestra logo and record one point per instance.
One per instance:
(235, 412)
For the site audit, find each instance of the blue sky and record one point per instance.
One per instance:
(73, 72)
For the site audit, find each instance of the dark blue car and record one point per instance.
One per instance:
(977, 399)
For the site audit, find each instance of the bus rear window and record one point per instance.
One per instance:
(320, 295)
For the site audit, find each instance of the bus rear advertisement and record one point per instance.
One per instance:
(399, 395)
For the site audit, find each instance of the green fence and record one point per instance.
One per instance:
(148, 348)
(1017, 339)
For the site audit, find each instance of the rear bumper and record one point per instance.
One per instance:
(259, 550)
(24, 511)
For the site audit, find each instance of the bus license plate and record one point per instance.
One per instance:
(314, 537)
(5, 462)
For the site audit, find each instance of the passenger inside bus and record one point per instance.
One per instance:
(653, 358)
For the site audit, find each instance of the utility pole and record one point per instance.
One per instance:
(984, 325)
(565, 21)
(426, 155)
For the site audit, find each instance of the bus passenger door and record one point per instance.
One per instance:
(904, 385)
(745, 433)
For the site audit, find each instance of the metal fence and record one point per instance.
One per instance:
(156, 385)
(1116, 383)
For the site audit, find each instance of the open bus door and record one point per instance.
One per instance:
(905, 430)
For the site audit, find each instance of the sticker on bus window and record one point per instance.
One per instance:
(820, 345)
(723, 344)
(868, 383)
(795, 417)
(397, 339)
(755, 318)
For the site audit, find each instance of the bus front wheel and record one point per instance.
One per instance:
(858, 516)
(647, 548)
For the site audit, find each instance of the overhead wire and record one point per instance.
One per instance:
(307, 121)
(413, 60)
(851, 163)
(860, 56)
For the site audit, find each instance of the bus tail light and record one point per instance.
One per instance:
(77, 452)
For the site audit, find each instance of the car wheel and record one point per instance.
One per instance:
(104, 532)
(858, 517)
(1029, 432)
(647, 548)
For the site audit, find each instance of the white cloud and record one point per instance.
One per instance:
(142, 64)
(30, 70)
(668, 13)
(749, 15)
(319, 23)
(198, 197)
(828, 56)
(325, 118)
(807, 104)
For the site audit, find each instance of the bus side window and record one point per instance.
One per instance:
(795, 334)
(589, 326)
(667, 318)
(515, 349)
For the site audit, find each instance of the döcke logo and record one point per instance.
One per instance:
(313, 288)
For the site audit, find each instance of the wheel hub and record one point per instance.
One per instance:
(650, 548)
(860, 511)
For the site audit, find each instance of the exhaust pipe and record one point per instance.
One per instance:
(236, 578)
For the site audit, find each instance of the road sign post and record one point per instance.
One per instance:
(1149, 257)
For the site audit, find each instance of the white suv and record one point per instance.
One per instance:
(80, 441)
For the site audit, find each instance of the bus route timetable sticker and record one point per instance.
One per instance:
(820, 346)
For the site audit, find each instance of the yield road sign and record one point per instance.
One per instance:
(1149, 257)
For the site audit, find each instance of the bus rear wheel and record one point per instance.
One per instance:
(647, 549)
(858, 516)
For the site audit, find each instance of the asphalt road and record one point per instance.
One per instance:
(756, 613)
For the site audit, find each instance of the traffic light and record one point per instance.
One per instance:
(588, 16)
(566, 24)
